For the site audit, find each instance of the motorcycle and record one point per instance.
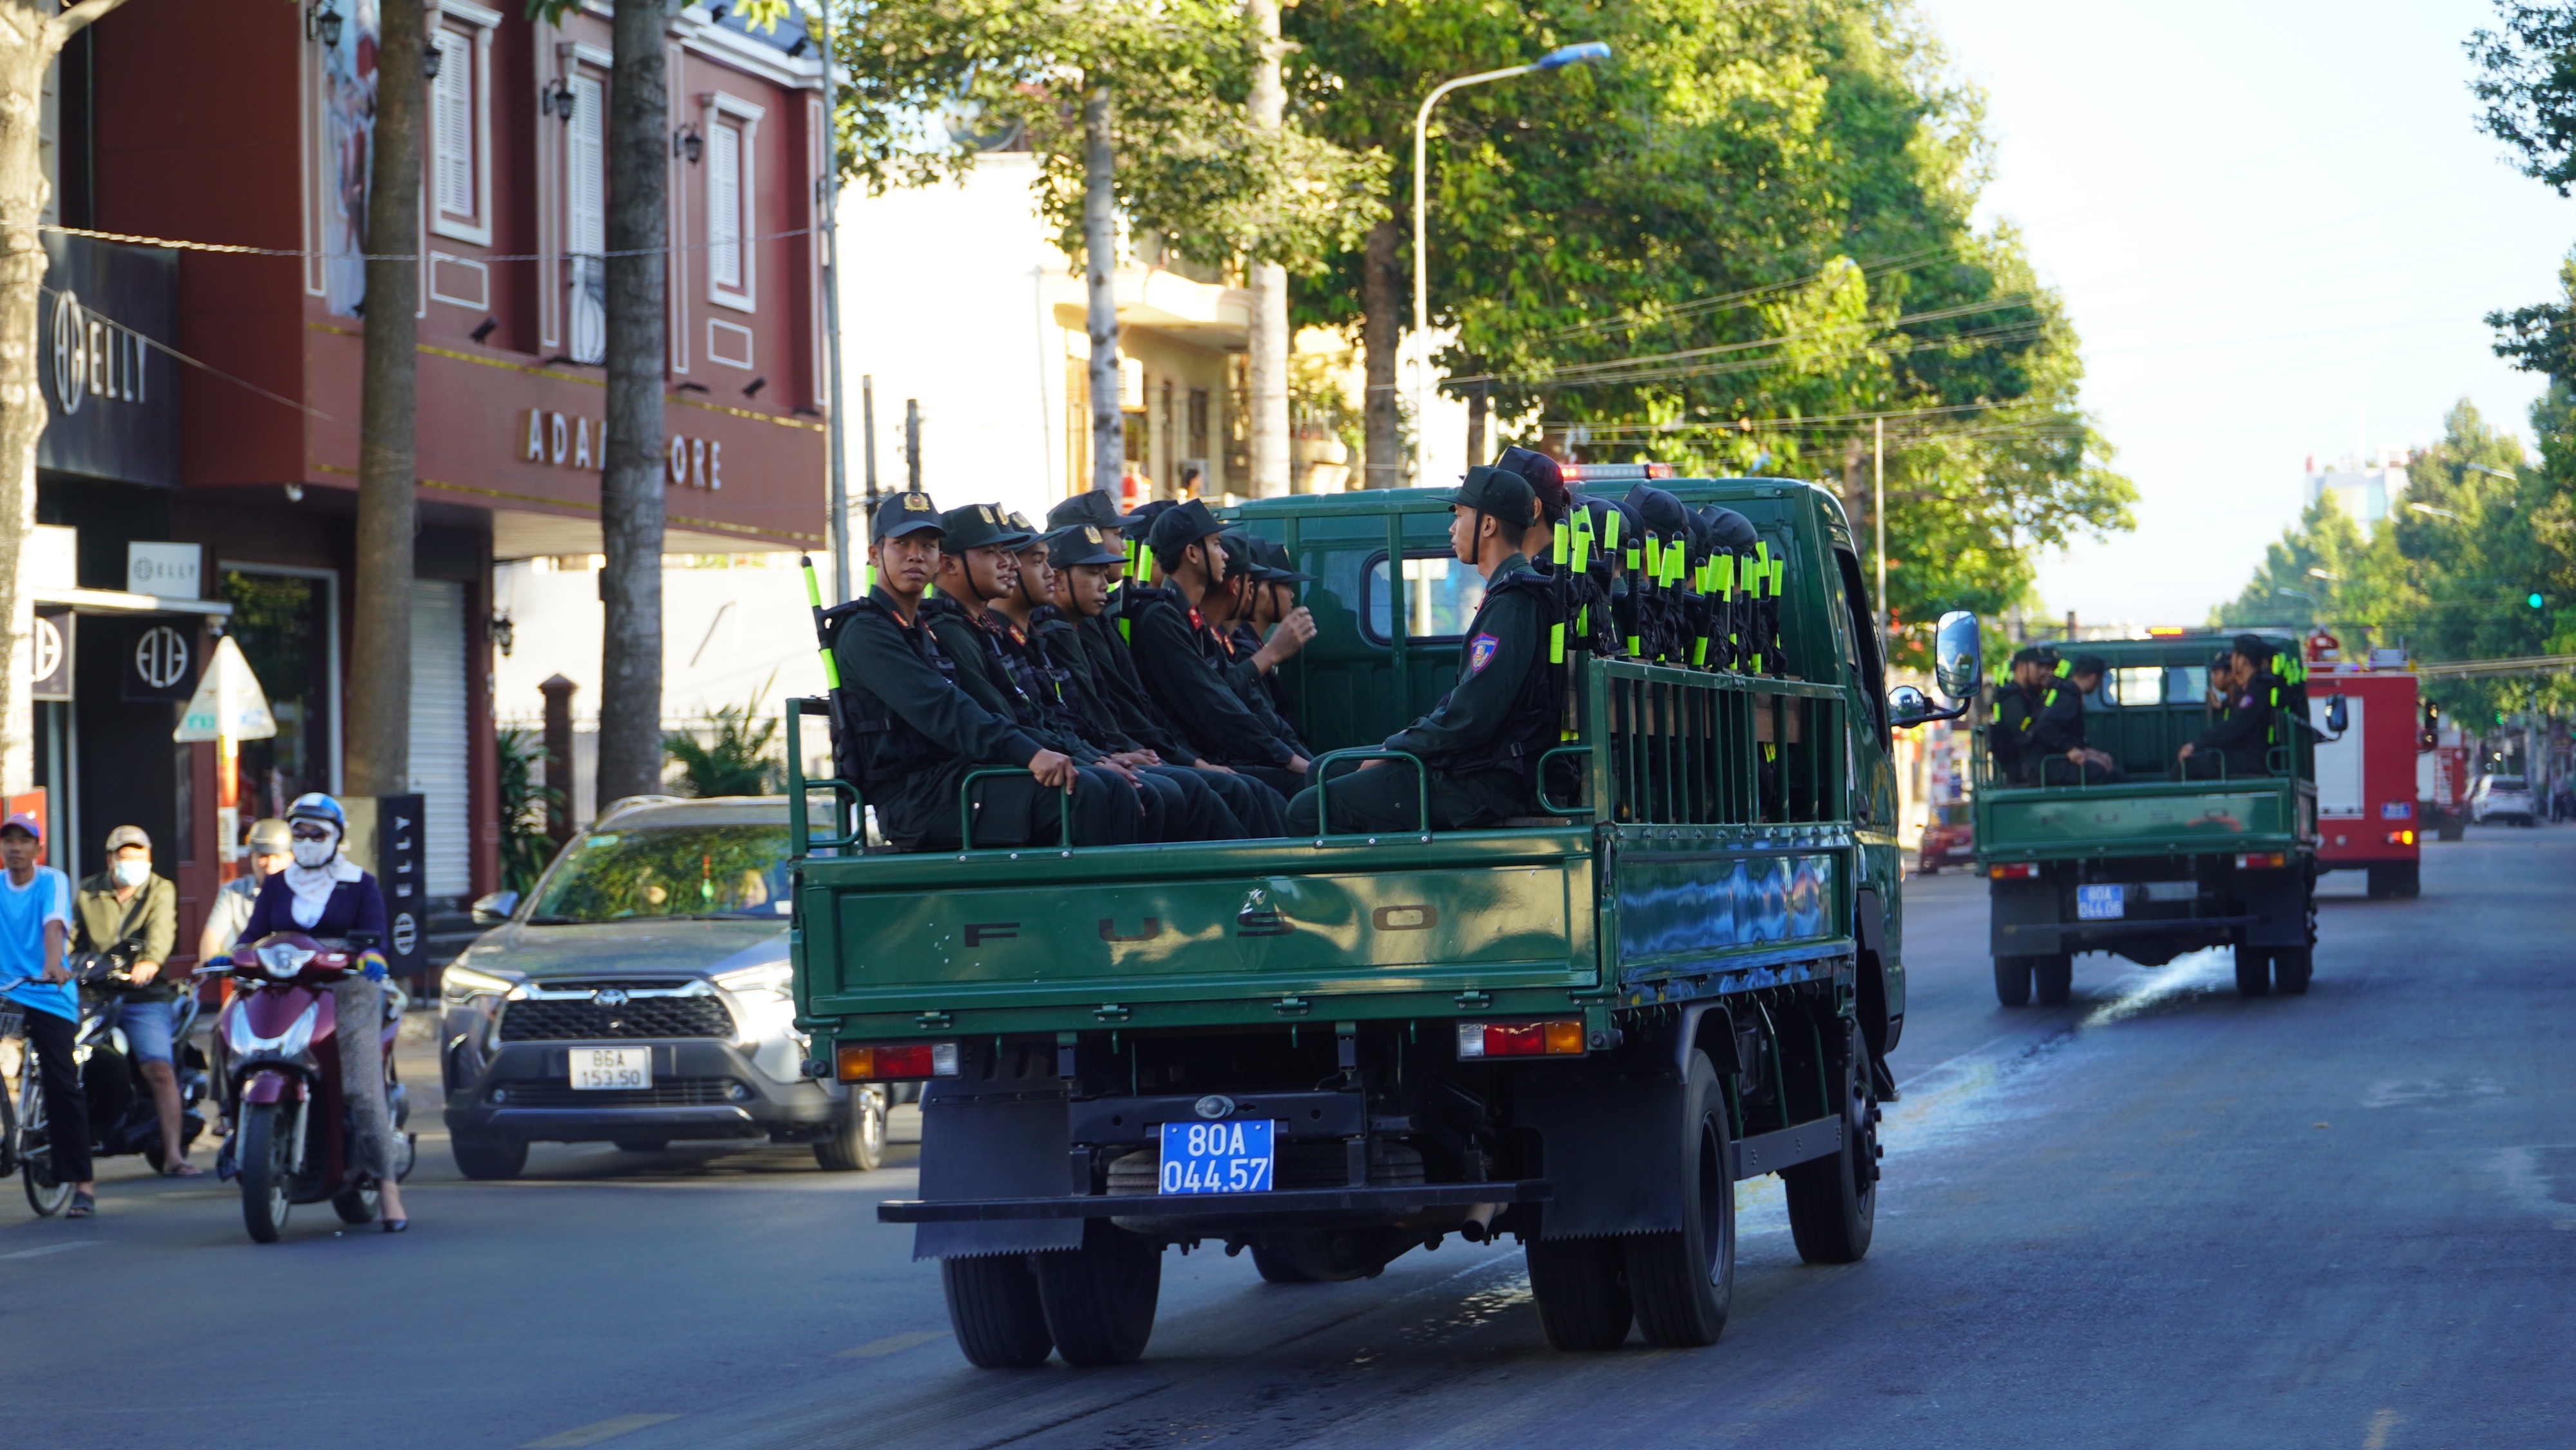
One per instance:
(280, 1055)
(122, 1115)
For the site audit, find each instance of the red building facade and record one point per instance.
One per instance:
(249, 124)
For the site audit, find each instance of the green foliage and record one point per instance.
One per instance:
(1191, 165)
(2527, 80)
(525, 801)
(740, 760)
(1734, 248)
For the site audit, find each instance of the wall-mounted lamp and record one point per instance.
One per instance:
(798, 48)
(557, 100)
(429, 62)
(295, 493)
(688, 144)
(484, 328)
(504, 634)
(322, 23)
(752, 389)
(693, 388)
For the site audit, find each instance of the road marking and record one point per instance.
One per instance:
(592, 1434)
(49, 1249)
(2381, 1422)
(891, 1344)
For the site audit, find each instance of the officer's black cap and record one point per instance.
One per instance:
(899, 514)
(1084, 543)
(977, 525)
(2026, 655)
(1089, 507)
(1280, 568)
(1181, 525)
(1240, 562)
(1659, 513)
(1500, 492)
(2256, 648)
(1019, 522)
(1546, 480)
(2089, 665)
(2224, 659)
(1728, 530)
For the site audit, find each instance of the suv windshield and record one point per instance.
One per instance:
(2504, 782)
(668, 871)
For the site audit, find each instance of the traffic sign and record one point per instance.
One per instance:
(228, 702)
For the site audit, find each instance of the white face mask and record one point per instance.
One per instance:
(312, 854)
(133, 873)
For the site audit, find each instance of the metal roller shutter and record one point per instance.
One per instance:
(438, 734)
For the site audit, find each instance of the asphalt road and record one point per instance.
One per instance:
(2158, 1216)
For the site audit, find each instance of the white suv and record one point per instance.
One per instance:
(2501, 798)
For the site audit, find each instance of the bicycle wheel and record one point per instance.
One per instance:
(35, 1147)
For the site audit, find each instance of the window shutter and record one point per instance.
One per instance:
(452, 126)
(724, 206)
(585, 185)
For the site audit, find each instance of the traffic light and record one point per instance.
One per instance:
(2533, 599)
(2431, 735)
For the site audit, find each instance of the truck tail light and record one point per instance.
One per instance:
(1561, 1038)
(894, 1061)
(2262, 860)
(2015, 871)
(2401, 838)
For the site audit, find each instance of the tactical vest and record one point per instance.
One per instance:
(873, 747)
(1531, 729)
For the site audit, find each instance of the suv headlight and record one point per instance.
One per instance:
(771, 977)
(461, 984)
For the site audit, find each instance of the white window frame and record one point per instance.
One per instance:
(450, 20)
(581, 66)
(719, 109)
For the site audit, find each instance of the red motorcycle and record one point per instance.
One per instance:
(279, 1060)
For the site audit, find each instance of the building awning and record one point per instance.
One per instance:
(120, 601)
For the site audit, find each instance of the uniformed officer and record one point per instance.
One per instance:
(1174, 653)
(908, 735)
(2239, 742)
(1082, 561)
(2056, 735)
(2016, 699)
(1482, 742)
(1247, 663)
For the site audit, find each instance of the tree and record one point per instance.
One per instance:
(31, 35)
(378, 758)
(1135, 109)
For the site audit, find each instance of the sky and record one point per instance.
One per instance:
(2277, 229)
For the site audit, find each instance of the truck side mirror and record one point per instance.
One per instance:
(495, 909)
(2338, 715)
(1958, 662)
(1908, 707)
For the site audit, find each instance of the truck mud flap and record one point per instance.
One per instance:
(1613, 1150)
(996, 1138)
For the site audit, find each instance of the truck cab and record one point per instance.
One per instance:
(1681, 967)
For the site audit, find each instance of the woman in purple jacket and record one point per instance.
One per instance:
(324, 894)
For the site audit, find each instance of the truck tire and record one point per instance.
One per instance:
(2253, 971)
(1833, 1202)
(993, 1310)
(857, 1141)
(2012, 981)
(1276, 1269)
(1683, 1280)
(1099, 1299)
(2056, 978)
(1581, 1286)
(488, 1155)
(2291, 969)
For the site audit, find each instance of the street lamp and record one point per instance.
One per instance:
(2426, 508)
(2295, 594)
(1555, 60)
(2322, 574)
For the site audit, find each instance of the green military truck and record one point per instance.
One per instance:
(1581, 1028)
(2151, 865)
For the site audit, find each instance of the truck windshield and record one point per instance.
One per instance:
(668, 871)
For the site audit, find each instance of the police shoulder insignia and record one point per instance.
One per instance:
(1480, 652)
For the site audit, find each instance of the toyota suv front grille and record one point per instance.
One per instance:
(558, 1019)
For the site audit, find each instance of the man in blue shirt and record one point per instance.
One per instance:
(35, 920)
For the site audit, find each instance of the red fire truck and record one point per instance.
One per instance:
(2366, 781)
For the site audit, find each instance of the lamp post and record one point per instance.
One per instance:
(1554, 60)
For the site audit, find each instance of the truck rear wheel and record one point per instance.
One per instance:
(2291, 969)
(1276, 1268)
(2253, 971)
(1683, 1281)
(2012, 981)
(2056, 977)
(1833, 1202)
(1582, 1290)
(993, 1310)
(1099, 1298)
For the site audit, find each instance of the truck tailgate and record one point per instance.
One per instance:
(2151, 817)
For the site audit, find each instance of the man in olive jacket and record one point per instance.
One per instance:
(128, 911)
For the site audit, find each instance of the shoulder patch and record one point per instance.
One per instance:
(1480, 652)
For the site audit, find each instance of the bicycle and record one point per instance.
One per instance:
(23, 1139)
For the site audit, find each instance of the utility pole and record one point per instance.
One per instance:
(1878, 519)
(1268, 341)
(868, 435)
(831, 245)
(912, 444)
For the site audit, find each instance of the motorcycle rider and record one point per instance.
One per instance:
(324, 894)
(128, 907)
(272, 846)
(35, 924)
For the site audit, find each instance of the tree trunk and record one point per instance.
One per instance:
(1382, 284)
(630, 487)
(1099, 275)
(1478, 399)
(30, 36)
(1268, 342)
(378, 758)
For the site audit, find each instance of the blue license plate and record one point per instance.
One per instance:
(1227, 1157)
(2101, 903)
